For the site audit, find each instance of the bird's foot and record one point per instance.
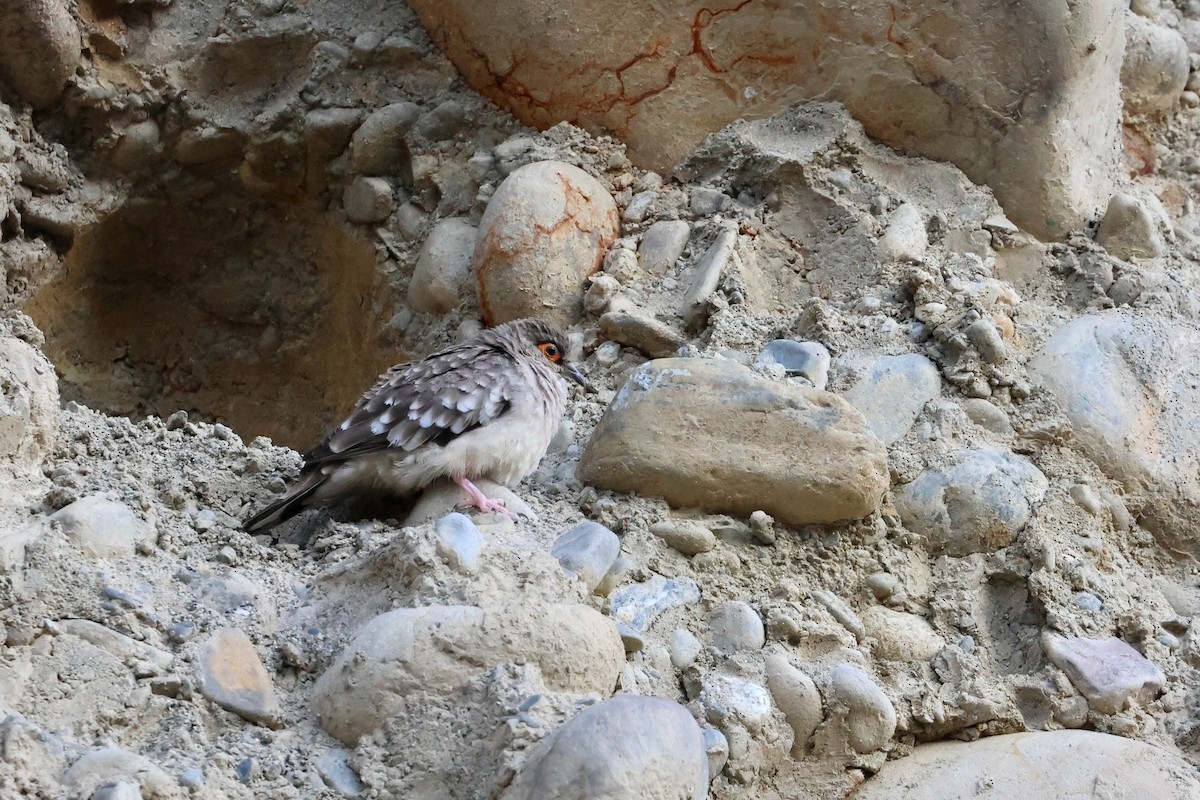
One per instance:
(483, 502)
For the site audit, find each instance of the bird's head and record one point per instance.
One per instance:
(536, 339)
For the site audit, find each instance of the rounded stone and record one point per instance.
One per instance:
(1063, 764)
(899, 636)
(377, 146)
(796, 695)
(587, 550)
(101, 528)
(977, 504)
(905, 238)
(809, 360)
(440, 649)
(686, 536)
(1155, 69)
(544, 232)
(868, 714)
(443, 270)
(459, 542)
(368, 200)
(662, 245)
(736, 626)
(1128, 230)
(1126, 381)
(625, 747)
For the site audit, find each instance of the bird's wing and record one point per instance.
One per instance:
(437, 399)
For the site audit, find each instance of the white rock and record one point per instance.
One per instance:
(443, 272)
(110, 765)
(736, 626)
(1127, 383)
(638, 604)
(905, 238)
(459, 542)
(662, 245)
(706, 275)
(101, 528)
(864, 709)
(809, 360)
(899, 636)
(892, 392)
(729, 699)
(684, 648)
(1033, 766)
(1128, 230)
(587, 550)
(624, 747)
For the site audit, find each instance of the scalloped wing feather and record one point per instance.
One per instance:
(433, 400)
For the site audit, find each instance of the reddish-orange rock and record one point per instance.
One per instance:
(544, 232)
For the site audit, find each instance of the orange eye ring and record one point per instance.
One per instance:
(551, 351)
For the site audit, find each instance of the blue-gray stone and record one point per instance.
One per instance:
(191, 778)
(892, 391)
(976, 505)
(335, 770)
(588, 550)
(638, 604)
(809, 360)
(459, 542)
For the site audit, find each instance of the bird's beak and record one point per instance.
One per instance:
(574, 374)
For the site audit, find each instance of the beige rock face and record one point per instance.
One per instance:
(28, 406)
(544, 232)
(1023, 96)
(438, 649)
(802, 455)
(1026, 765)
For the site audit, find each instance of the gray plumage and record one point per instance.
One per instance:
(485, 408)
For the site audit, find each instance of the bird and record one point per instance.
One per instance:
(486, 408)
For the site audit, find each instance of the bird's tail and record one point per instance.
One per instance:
(296, 500)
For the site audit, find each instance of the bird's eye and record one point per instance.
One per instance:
(551, 351)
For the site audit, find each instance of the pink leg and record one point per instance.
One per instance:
(482, 501)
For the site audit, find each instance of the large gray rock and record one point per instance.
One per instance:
(623, 748)
(803, 456)
(101, 528)
(978, 504)
(1022, 766)
(439, 649)
(1128, 384)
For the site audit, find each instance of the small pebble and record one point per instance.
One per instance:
(736, 626)
(587, 550)
(631, 639)
(717, 748)
(459, 542)
(809, 360)
(684, 648)
(191, 778)
(686, 536)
